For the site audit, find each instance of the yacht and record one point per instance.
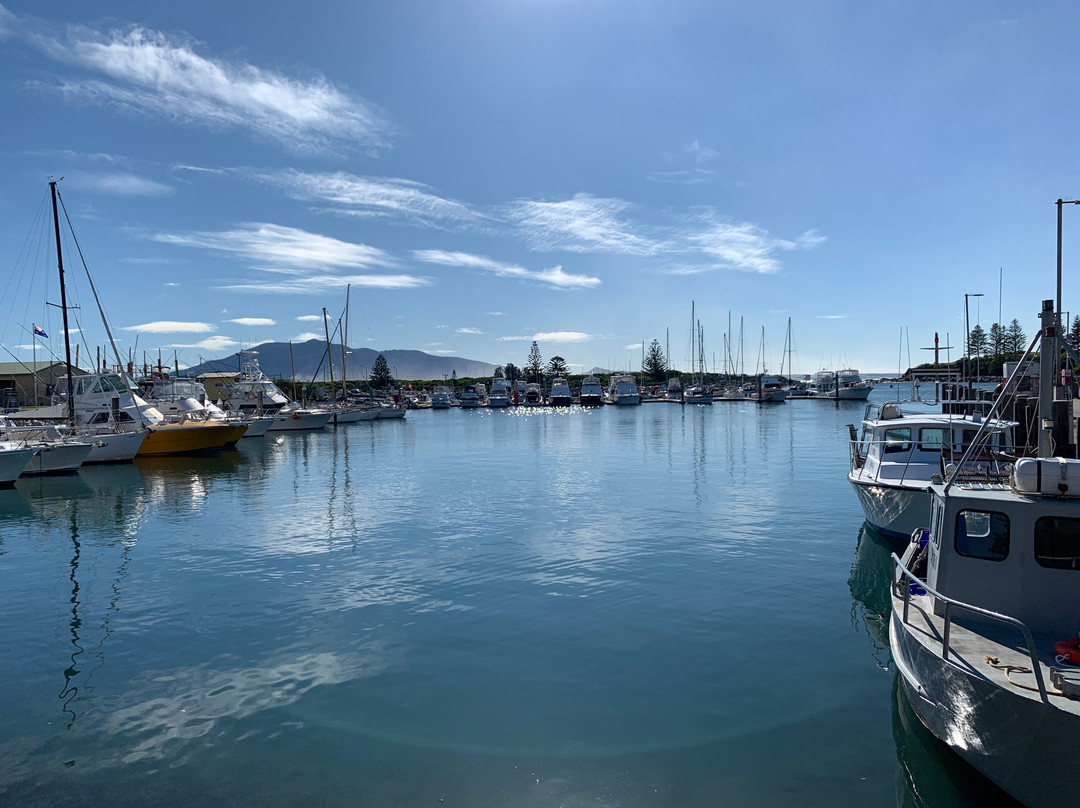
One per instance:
(186, 398)
(560, 394)
(470, 398)
(622, 390)
(984, 602)
(500, 391)
(53, 451)
(442, 398)
(770, 390)
(534, 396)
(592, 392)
(845, 385)
(254, 392)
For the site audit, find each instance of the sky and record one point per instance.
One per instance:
(479, 174)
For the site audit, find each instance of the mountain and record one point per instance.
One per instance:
(309, 358)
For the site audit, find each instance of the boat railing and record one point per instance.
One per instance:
(903, 578)
(987, 461)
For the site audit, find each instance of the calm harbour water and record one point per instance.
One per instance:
(651, 606)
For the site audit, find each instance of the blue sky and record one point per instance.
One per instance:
(488, 173)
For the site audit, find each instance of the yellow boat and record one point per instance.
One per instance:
(188, 438)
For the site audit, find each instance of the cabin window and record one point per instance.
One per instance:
(933, 439)
(898, 440)
(936, 513)
(982, 534)
(1057, 542)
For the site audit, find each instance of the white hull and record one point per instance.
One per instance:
(12, 463)
(114, 447)
(390, 412)
(57, 458)
(1026, 747)
(705, 398)
(258, 426)
(299, 420)
(626, 400)
(498, 401)
(892, 510)
(353, 416)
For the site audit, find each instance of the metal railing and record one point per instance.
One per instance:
(902, 577)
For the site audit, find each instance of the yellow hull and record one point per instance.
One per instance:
(167, 439)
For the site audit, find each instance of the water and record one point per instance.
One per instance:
(651, 606)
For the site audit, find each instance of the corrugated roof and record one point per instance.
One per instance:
(24, 368)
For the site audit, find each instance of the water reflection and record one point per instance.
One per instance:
(869, 585)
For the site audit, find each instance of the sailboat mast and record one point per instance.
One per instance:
(329, 359)
(63, 303)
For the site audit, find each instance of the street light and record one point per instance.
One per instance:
(967, 335)
(1059, 203)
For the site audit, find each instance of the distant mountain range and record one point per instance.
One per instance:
(309, 361)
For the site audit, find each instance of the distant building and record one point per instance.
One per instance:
(18, 387)
(217, 383)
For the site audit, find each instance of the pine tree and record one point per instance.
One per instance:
(1015, 338)
(977, 342)
(655, 364)
(512, 373)
(535, 366)
(381, 377)
(557, 367)
(997, 339)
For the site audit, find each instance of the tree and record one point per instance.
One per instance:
(1015, 338)
(977, 342)
(655, 363)
(1074, 333)
(534, 367)
(512, 373)
(381, 377)
(997, 339)
(557, 367)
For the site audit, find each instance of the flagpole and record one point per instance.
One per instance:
(33, 332)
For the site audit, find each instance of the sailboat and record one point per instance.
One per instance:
(769, 389)
(696, 392)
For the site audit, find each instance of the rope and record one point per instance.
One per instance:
(993, 662)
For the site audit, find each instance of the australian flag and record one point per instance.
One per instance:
(39, 331)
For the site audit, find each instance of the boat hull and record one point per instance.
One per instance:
(891, 510)
(60, 458)
(561, 401)
(114, 447)
(12, 463)
(299, 420)
(172, 439)
(353, 416)
(390, 412)
(591, 400)
(1027, 747)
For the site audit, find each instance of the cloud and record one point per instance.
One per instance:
(141, 70)
(699, 153)
(120, 184)
(216, 343)
(278, 244)
(170, 327)
(551, 336)
(633, 346)
(555, 276)
(369, 196)
(306, 336)
(253, 321)
(495, 313)
(309, 318)
(468, 330)
(688, 176)
(741, 245)
(582, 224)
(321, 284)
(831, 316)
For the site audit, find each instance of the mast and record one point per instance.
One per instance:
(329, 360)
(63, 304)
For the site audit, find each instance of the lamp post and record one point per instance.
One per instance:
(967, 336)
(1057, 321)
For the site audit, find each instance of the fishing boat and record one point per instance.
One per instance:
(559, 396)
(186, 398)
(843, 385)
(769, 390)
(984, 603)
(898, 452)
(13, 459)
(592, 392)
(622, 391)
(470, 399)
(53, 452)
(254, 393)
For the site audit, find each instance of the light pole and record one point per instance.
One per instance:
(967, 336)
(1057, 321)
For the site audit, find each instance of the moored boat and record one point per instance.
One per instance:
(560, 394)
(592, 392)
(622, 391)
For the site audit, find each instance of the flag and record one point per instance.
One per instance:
(39, 332)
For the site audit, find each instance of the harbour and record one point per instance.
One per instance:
(615, 606)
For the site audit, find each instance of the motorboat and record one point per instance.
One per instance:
(984, 602)
(898, 452)
(442, 398)
(769, 390)
(592, 392)
(186, 399)
(53, 452)
(13, 459)
(559, 396)
(697, 393)
(499, 396)
(254, 393)
(674, 390)
(844, 385)
(534, 396)
(622, 390)
(470, 399)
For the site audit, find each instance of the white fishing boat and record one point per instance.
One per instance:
(559, 396)
(442, 398)
(769, 390)
(53, 452)
(897, 453)
(592, 392)
(254, 393)
(622, 391)
(984, 608)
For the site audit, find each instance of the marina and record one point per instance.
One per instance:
(623, 605)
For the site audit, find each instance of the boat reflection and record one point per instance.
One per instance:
(869, 585)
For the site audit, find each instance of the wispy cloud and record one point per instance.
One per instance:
(215, 343)
(306, 336)
(253, 321)
(555, 276)
(383, 197)
(170, 327)
(742, 245)
(551, 336)
(684, 176)
(831, 316)
(322, 284)
(172, 77)
(496, 313)
(582, 224)
(468, 330)
(309, 318)
(120, 184)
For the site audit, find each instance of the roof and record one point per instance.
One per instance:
(23, 368)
